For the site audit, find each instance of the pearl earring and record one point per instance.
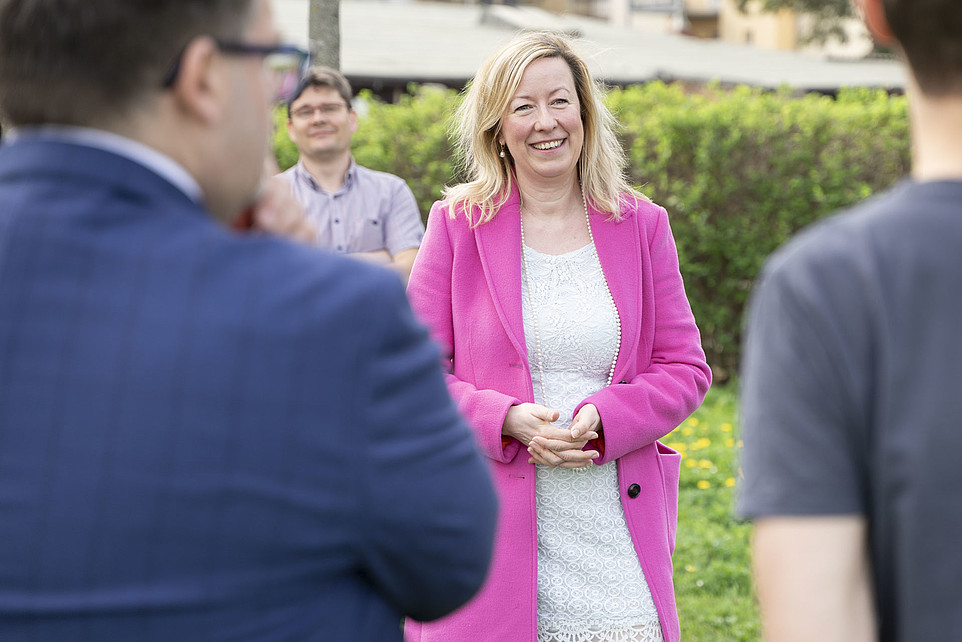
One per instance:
(501, 153)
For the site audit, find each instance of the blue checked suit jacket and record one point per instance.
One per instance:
(212, 436)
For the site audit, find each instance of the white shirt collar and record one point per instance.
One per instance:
(159, 163)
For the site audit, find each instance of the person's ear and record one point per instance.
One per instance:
(352, 117)
(201, 84)
(873, 14)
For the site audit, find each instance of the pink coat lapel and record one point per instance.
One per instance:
(499, 246)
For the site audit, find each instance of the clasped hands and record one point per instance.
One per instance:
(533, 424)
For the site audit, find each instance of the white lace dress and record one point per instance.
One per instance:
(591, 587)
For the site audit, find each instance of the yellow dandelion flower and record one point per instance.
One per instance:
(740, 444)
(704, 463)
(730, 482)
(729, 443)
(678, 445)
(690, 568)
(691, 463)
(726, 427)
(704, 442)
(703, 484)
(686, 431)
(693, 421)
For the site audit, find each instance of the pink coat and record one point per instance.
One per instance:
(466, 286)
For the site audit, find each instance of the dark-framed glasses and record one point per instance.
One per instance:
(327, 110)
(285, 64)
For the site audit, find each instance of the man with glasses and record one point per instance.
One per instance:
(205, 434)
(372, 215)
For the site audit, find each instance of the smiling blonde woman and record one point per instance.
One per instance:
(553, 288)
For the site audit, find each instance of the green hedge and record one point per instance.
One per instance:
(739, 172)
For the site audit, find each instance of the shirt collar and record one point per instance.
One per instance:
(350, 177)
(159, 163)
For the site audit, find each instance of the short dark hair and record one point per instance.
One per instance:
(930, 35)
(321, 76)
(82, 62)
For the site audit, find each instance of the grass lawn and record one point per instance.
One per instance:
(712, 563)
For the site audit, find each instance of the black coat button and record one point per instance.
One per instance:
(634, 490)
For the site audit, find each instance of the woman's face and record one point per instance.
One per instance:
(542, 125)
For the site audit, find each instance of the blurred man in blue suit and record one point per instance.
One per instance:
(204, 434)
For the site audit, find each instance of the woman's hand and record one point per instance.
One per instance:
(526, 421)
(585, 422)
(549, 445)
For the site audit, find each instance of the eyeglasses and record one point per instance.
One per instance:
(327, 109)
(285, 63)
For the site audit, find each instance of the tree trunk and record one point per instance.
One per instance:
(324, 32)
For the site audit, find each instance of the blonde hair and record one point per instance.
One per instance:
(478, 123)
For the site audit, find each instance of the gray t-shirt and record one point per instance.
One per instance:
(852, 394)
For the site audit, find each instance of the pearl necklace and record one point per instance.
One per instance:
(534, 312)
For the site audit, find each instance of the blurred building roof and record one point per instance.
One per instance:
(387, 44)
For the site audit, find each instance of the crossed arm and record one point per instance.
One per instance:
(402, 262)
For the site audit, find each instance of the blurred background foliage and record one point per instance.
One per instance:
(739, 171)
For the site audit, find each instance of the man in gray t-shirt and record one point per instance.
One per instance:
(851, 389)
